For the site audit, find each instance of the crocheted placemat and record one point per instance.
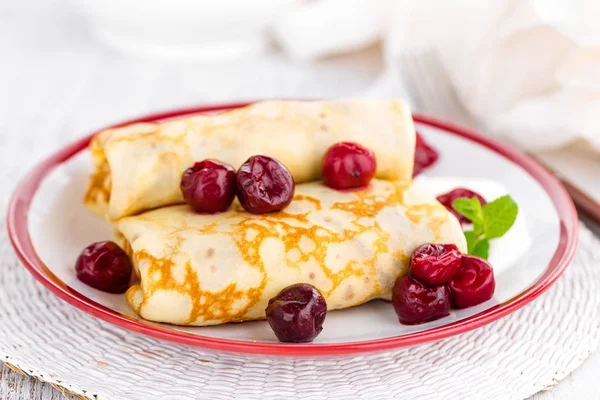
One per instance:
(512, 358)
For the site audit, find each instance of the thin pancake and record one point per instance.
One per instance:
(210, 269)
(139, 167)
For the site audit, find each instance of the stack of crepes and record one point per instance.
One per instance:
(207, 269)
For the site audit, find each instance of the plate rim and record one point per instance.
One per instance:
(18, 231)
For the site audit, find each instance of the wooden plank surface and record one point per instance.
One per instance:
(15, 386)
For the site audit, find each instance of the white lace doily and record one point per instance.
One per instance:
(512, 358)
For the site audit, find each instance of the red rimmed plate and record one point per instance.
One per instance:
(48, 226)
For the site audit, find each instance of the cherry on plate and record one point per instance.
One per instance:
(473, 284)
(209, 186)
(425, 155)
(416, 303)
(348, 165)
(297, 313)
(448, 198)
(104, 266)
(264, 185)
(435, 264)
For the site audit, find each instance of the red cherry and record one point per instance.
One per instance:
(416, 303)
(425, 155)
(448, 198)
(435, 264)
(209, 186)
(473, 284)
(297, 313)
(104, 266)
(348, 165)
(264, 185)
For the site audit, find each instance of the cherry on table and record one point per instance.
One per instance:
(264, 185)
(104, 266)
(297, 313)
(209, 186)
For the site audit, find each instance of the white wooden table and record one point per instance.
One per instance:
(57, 83)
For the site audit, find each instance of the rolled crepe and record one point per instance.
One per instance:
(197, 269)
(138, 167)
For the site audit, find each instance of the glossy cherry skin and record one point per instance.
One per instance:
(104, 266)
(473, 284)
(448, 198)
(264, 185)
(209, 186)
(348, 165)
(435, 264)
(297, 313)
(425, 155)
(416, 303)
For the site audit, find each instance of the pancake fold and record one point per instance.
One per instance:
(138, 167)
(207, 269)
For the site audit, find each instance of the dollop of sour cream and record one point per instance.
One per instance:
(504, 251)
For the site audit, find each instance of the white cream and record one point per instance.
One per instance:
(504, 251)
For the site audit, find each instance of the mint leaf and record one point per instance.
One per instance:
(481, 249)
(470, 208)
(477, 246)
(471, 241)
(489, 222)
(498, 216)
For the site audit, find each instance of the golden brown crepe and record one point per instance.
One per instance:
(199, 269)
(138, 167)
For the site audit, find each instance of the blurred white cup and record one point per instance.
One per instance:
(192, 29)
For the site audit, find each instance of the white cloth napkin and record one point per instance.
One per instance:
(527, 70)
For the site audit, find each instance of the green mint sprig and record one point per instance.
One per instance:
(489, 222)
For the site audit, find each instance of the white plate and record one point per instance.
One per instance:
(526, 261)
